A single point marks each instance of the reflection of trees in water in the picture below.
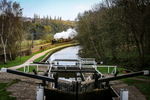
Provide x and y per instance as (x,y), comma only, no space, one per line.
(66,53)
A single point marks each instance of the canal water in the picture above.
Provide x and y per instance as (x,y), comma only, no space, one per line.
(68,78)
(66,53)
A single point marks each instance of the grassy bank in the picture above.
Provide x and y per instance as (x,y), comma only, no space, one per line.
(26,43)
(142,86)
(105,69)
(23,59)
(16,61)
(40,58)
(48,54)
(128,60)
(30,69)
(4,95)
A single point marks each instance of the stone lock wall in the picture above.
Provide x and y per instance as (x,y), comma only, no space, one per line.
(65,86)
(86,86)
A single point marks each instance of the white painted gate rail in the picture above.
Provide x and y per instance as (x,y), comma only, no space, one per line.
(113,71)
(27,67)
(88,61)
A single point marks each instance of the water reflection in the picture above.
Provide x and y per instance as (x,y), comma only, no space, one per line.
(66,53)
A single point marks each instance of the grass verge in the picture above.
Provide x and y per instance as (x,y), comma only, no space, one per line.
(30,69)
(105,69)
(23,59)
(40,58)
(4,95)
(143,87)
(143,77)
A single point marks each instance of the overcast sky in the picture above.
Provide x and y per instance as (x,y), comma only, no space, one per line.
(67,9)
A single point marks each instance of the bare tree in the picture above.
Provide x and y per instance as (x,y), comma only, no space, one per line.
(10,16)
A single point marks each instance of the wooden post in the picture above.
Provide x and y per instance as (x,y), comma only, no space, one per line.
(107,84)
(77,90)
(56,79)
(96,79)
(74,86)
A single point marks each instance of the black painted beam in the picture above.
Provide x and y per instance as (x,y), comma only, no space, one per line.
(111,78)
(66,60)
(66,66)
(40,77)
(41,63)
(83,71)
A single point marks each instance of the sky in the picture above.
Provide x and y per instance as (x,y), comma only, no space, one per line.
(67,9)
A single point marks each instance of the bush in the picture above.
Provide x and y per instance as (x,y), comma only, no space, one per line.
(15,50)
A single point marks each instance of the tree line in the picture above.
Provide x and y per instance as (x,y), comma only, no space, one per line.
(13,30)
(114,28)
(46,25)
(10,27)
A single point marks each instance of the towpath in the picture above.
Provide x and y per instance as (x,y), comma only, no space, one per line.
(37,56)
(25,89)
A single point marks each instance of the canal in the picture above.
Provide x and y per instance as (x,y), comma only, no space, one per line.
(66,53)
(74,85)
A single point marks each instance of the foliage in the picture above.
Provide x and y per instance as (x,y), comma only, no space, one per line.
(47,29)
(116,31)
(45,25)
(48,37)
(11,26)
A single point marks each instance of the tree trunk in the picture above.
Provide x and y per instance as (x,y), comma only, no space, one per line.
(95,48)
(4,47)
(5,57)
(140,49)
(20,51)
(4,44)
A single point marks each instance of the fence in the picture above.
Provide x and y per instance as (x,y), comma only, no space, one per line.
(113,71)
(27,67)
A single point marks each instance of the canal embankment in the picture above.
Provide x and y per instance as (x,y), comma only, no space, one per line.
(46,56)
(17,64)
